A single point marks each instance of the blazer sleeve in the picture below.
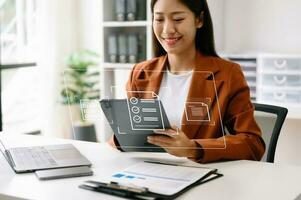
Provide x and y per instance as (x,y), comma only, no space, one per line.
(244,140)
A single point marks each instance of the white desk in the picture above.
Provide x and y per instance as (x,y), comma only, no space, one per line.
(242,179)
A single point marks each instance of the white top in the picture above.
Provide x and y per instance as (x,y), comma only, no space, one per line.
(173,92)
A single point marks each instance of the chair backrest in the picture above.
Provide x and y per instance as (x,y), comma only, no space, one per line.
(270,119)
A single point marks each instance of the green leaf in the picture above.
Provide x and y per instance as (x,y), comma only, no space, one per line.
(80,82)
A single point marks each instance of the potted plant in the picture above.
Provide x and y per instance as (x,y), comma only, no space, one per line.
(81,85)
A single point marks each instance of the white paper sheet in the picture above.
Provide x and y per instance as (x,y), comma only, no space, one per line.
(159,178)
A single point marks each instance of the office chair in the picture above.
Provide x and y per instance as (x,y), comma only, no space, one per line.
(270,119)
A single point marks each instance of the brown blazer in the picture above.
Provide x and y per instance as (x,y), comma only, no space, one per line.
(221,84)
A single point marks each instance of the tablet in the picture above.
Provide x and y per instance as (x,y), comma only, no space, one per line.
(133,119)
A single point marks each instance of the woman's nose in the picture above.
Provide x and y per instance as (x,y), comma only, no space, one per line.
(169,27)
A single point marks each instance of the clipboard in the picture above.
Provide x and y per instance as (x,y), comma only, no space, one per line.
(135,192)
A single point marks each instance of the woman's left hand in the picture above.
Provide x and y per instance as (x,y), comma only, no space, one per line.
(175,142)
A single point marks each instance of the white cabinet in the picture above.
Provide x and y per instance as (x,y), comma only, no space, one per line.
(280,79)
(273,79)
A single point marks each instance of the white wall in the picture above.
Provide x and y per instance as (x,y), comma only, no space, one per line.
(217,10)
(89,24)
(262,26)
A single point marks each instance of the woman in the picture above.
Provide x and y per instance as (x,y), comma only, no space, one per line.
(186,63)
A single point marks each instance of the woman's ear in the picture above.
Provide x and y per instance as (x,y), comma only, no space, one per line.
(200,20)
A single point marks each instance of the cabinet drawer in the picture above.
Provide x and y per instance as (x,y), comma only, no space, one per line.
(281,96)
(281,80)
(281,63)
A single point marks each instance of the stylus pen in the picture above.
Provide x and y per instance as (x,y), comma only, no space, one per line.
(172,164)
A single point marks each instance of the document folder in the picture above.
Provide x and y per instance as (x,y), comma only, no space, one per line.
(133,183)
(132,192)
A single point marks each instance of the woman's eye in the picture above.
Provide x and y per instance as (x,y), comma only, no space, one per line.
(179,20)
(159,20)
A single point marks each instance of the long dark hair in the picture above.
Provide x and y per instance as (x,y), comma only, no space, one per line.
(204,39)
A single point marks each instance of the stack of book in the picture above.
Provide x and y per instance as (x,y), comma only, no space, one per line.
(130,10)
(126,47)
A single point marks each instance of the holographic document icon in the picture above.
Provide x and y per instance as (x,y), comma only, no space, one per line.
(145,114)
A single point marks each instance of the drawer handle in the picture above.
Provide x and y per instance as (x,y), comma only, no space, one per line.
(279,81)
(280,96)
(280,64)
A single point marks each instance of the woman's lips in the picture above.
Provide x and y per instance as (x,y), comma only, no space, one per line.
(171,41)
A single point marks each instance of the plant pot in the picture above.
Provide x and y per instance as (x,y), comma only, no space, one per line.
(84,131)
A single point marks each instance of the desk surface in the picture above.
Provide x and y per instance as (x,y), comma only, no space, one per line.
(242,179)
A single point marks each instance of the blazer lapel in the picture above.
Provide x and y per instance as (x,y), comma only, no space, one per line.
(149,80)
(201,97)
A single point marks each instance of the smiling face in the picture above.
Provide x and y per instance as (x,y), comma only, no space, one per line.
(175,26)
